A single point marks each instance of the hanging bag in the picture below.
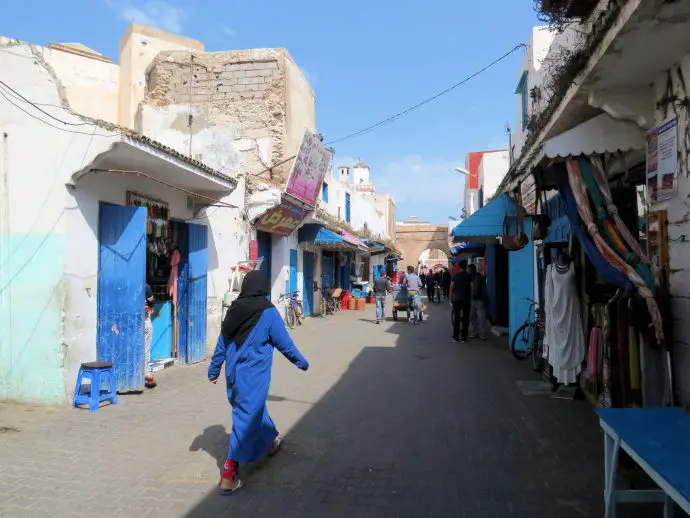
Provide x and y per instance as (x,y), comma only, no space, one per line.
(519,240)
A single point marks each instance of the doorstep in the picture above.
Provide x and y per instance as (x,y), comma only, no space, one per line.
(163,363)
(499,331)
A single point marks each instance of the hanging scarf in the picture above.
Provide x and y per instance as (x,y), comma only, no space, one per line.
(247,309)
(581,196)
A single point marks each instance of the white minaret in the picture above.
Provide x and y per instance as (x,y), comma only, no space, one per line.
(361,173)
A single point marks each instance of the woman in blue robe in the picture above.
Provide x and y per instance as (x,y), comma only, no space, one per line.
(251,329)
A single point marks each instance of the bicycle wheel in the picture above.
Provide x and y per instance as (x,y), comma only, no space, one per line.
(323,307)
(522,336)
(538,351)
(290,317)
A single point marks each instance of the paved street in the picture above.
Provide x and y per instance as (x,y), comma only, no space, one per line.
(391,420)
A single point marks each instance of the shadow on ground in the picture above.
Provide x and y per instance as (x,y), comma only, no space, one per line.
(426,428)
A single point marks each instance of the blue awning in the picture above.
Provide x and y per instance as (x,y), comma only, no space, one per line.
(485,225)
(466,248)
(317,234)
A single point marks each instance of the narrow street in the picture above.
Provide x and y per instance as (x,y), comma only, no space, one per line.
(390,420)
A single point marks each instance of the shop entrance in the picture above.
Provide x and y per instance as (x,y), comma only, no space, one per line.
(139,245)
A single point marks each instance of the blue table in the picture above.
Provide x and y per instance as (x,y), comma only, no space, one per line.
(658,440)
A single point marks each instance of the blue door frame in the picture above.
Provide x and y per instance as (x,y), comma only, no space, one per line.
(520,283)
(293,271)
(120,296)
(308,288)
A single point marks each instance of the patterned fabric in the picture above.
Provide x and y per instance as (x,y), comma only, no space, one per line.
(582,199)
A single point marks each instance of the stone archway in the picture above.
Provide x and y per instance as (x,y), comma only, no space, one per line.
(412,237)
(432,257)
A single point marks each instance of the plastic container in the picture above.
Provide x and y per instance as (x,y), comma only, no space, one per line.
(352,304)
(361,304)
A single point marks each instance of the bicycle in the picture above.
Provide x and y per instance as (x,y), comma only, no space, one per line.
(294,312)
(531,334)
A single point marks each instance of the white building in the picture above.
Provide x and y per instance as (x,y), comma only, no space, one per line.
(76,246)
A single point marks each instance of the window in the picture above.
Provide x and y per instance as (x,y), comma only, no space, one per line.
(347,207)
(324,192)
(522,91)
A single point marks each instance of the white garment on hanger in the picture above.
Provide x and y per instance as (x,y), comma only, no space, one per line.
(564,337)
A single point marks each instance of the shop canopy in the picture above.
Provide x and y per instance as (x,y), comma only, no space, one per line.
(602,134)
(467,248)
(485,225)
(374,246)
(318,235)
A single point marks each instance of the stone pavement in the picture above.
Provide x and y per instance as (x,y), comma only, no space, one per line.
(390,421)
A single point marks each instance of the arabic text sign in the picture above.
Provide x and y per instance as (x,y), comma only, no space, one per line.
(308,170)
(282,220)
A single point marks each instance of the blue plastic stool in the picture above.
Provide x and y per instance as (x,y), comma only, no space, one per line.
(96,372)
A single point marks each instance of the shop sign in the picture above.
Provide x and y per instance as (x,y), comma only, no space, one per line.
(282,220)
(662,160)
(528,194)
(311,164)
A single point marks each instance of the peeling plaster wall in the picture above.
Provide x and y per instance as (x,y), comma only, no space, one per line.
(678,213)
(237,96)
(36,294)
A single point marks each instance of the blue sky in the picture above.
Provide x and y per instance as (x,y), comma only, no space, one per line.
(366,60)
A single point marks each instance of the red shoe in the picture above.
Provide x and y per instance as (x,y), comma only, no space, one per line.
(150,381)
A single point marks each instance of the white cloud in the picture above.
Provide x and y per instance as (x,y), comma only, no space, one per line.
(229,31)
(157,13)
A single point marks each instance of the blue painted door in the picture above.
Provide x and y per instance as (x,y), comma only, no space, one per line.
(308,289)
(293,271)
(182,309)
(198,273)
(520,283)
(345,271)
(327,270)
(121,284)
(263,241)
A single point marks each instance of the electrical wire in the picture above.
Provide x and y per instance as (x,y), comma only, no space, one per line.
(429,99)
(393,118)
(3,94)
(20,96)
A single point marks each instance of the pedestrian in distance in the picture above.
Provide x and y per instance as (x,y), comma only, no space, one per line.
(413,285)
(149,379)
(382,287)
(479,324)
(461,300)
(430,285)
(252,327)
(445,282)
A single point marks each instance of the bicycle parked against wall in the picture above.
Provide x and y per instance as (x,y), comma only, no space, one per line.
(528,340)
(294,312)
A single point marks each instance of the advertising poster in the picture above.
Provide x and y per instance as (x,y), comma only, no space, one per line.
(311,164)
(662,160)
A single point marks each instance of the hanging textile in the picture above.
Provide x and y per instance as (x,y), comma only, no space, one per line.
(582,200)
(595,179)
(608,272)
(633,244)
(157,213)
(564,336)
(605,396)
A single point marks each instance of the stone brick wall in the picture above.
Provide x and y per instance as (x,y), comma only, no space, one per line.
(243,92)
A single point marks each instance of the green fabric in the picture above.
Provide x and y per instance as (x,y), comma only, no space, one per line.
(642,269)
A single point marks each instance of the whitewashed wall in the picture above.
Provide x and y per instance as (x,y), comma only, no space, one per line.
(679,231)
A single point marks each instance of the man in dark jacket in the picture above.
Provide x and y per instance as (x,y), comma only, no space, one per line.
(461,299)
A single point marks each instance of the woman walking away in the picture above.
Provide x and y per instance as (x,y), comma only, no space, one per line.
(250,330)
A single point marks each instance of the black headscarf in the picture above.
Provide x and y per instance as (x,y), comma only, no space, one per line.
(246,310)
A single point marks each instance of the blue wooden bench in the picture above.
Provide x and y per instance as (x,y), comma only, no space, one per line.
(658,440)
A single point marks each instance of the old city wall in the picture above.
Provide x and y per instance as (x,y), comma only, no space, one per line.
(412,240)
